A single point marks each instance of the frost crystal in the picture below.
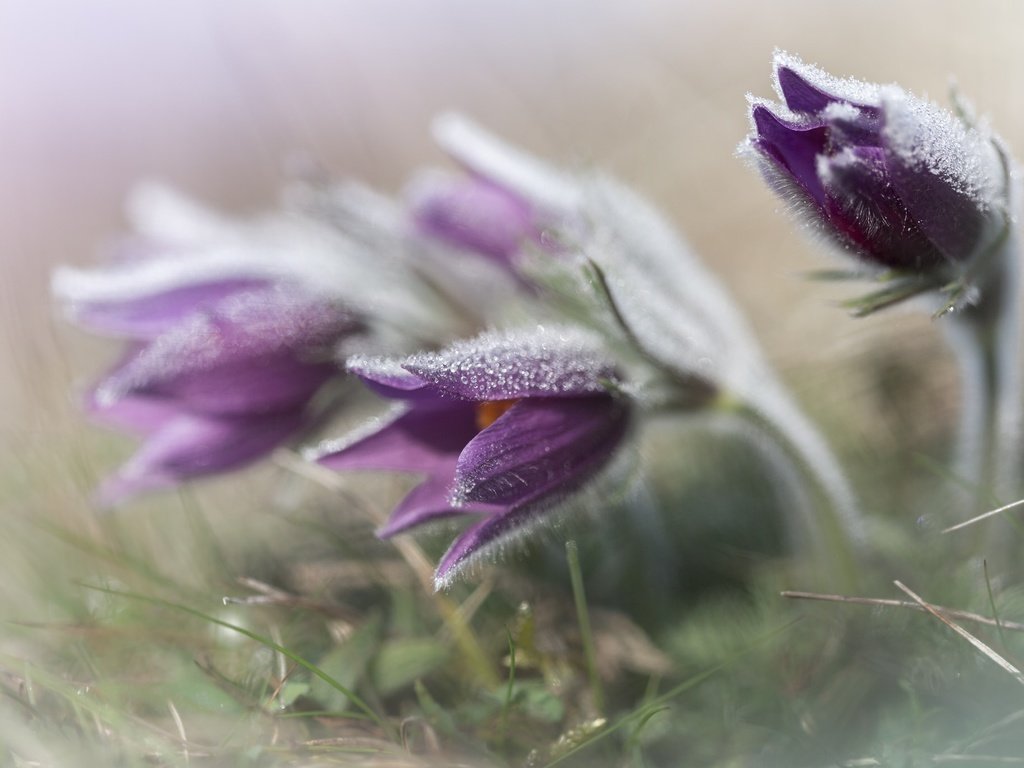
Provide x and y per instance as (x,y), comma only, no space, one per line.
(546,361)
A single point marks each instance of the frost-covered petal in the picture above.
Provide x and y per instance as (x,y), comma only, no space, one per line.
(257,351)
(539,448)
(810,89)
(147,316)
(549,191)
(949,176)
(674,308)
(192,445)
(419,440)
(792,145)
(540,362)
(472,214)
(427,502)
(387,377)
(865,210)
(483,537)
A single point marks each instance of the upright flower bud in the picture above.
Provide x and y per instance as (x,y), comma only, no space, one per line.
(899,183)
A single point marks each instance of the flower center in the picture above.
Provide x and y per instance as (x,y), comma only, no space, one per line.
(488,412)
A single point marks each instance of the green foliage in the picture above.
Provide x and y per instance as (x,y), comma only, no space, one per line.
(331,651)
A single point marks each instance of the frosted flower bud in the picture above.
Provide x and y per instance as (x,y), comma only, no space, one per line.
(896,181)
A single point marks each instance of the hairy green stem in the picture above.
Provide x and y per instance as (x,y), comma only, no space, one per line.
(986,339)
(827,525)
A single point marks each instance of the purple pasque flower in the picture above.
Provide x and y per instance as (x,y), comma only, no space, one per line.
(226,384)
(472,214)
(502,426)
(503,202)
(897,181)
(225,352)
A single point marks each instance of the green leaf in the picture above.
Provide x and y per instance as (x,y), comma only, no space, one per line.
(534,700)
(402,662)
(347,664)
(290,691)
(893,293)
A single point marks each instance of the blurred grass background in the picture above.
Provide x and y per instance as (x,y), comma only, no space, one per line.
(214,96)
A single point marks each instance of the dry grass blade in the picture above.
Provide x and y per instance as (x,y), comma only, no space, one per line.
(418,563)
(180,725)
(976,618)
(978,759)
(981,646)
(984,516)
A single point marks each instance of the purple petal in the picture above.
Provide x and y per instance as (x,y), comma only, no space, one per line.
(864,208)
(802,95)
(472,214)
(388,378)
(145,317)
(138,415)
(544,362)
(552,194)
(428,501)
(946,202)
(191,445)
(793,146)
(853,126)
(254,352)
(481,537)
(420,440)
(539,448)
(808,89)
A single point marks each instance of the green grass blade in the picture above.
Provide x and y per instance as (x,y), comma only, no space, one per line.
(643,713)
(265,641)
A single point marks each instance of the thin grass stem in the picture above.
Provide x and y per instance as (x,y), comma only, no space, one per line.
(455,619)
(583,616)
(976,618)
(264,641)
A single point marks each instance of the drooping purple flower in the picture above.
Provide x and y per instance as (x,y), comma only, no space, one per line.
(897,181)
(501,426)
(226,384)
(472,214)
(225,351)
(503,202)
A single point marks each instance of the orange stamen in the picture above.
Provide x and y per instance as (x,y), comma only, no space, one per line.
(488,411)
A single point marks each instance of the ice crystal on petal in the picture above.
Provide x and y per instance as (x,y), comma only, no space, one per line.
(930,139)
(848,89)
(548,361)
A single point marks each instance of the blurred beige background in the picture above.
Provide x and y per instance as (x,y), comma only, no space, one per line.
(212,95)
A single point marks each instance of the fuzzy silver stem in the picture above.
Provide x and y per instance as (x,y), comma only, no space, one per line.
(830,527)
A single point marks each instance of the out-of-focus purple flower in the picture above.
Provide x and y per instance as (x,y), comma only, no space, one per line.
(226,383)
(503,202)
(225,351)
(472,214)
(897,181)
(502,426)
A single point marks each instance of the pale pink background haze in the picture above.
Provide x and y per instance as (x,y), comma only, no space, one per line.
(213,96)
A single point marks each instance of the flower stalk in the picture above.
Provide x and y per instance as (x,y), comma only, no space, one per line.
(828,526)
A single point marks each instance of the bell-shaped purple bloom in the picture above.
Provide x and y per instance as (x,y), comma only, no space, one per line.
(220,369)
(501,204)
(471,214)
(502,426)
(897,181)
